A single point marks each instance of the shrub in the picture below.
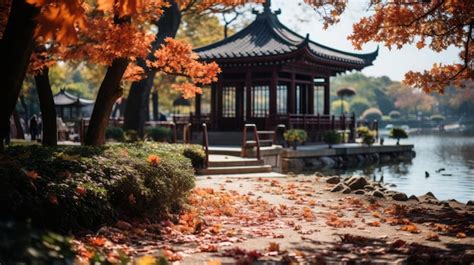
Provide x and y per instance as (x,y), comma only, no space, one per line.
(160,134)
(196,155)
(398,133)
(74,187)
(367,135)
(437,118)
(336,106)
(368,138)
(115,133)
(394,115)
(131,136)
(359,105)
(331,138)
(372,114)
(295,135)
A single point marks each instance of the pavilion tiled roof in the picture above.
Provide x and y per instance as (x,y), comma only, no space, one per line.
(63,98)
(267,36)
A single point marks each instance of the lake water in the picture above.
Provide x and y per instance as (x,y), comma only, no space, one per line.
(453,153)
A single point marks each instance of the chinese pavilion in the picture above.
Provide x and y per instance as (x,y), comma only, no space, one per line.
(271,75)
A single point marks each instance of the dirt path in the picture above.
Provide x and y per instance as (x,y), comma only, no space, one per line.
(298,219)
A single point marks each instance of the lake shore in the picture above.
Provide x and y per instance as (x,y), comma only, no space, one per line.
(298,218)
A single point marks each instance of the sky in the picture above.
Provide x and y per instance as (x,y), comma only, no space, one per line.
(392,63)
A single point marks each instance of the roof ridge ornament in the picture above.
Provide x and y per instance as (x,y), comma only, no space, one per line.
(267,6)
(267,9)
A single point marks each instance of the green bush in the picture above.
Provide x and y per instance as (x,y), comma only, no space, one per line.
(368,138)
(295,135)
(131,136)
(159,134)
(394,115)
(196,155)
(359,105)
(115,133)
(331,138)
(75,187)
(372,114)
(20,244)
(398,133)
(367,135)
(437,118)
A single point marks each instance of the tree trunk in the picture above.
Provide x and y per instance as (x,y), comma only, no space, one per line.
(139,97)
(20,134)
(109,91)
(154,101)
(48,110)
(15,51)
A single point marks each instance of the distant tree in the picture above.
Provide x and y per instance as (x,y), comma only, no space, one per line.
(394,115)
(398,133)
(436,24)
(336,106)
(359,105)
(372,114)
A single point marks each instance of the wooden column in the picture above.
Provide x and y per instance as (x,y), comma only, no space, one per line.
(273,93)
(311,96)
(248,85)
(327,96)
(214,103)
(292,95)
(197,106)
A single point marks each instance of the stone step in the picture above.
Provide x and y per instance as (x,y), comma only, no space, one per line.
(236,163)
(235,170)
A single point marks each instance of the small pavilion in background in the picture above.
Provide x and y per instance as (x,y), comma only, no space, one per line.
(271,75)
(70,107)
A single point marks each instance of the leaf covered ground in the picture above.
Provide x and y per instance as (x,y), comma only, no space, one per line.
(292,219)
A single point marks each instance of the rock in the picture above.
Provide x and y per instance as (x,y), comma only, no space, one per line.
(338,187)
(318,174)
(346,190)
(470,203)
(327,161)
(413,198)
(378,194)
(368,187)
(384,158)
(400,196)
(357,183)
(430,194)
(360,192)
(123,225)
(333,180)
(315,163)
(393,185)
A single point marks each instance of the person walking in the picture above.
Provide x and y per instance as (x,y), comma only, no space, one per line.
(33,128)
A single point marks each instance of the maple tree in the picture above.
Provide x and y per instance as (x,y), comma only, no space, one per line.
(136,112)
(436,24)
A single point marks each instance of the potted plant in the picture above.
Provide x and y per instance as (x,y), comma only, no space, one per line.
(331,138)
(398,133)
(367,135)
(295,136)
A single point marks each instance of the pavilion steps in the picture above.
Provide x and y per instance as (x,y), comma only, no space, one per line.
(225,165)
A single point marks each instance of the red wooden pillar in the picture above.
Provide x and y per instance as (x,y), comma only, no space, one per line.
(197,106)
(327,96)
(273,98)
(248,85)
(311,96)
(292,95)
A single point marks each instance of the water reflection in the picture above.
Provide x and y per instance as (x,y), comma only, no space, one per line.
(454,154)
